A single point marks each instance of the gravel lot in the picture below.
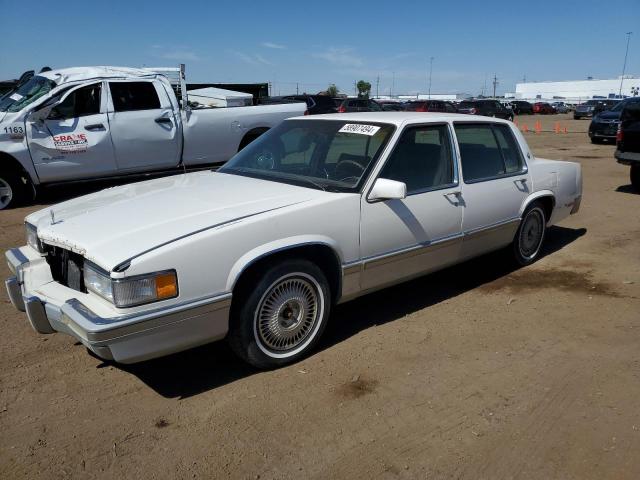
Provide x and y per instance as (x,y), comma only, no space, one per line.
(477,372)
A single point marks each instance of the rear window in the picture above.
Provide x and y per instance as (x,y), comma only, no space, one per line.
(130,96)
(467,105)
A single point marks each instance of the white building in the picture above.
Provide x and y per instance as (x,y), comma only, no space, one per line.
(575,90)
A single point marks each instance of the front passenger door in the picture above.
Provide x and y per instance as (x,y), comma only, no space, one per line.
(74,141)
(404,238)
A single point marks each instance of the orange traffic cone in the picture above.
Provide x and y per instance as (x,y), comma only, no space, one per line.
(565,130)
(525,129)
(556,127)
(538,127)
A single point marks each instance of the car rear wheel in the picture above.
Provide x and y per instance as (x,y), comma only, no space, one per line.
(635,177)
(530,235)
(280,315)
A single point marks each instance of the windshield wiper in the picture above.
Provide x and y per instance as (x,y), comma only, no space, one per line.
(280,176)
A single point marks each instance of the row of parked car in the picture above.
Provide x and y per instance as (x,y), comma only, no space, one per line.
(318,104)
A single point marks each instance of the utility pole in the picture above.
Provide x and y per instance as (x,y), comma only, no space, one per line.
(297,88)
(377,86)
(495,84)
(355,88)
(430,71)
(393,82)
(624,66)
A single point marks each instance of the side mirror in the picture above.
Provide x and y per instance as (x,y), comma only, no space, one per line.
(385,189)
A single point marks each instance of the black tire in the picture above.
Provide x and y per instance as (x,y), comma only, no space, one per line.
(634,175)
(294,300)
(14,189)
(596,140)
(530,235)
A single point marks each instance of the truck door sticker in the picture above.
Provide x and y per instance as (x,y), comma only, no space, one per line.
(71,143)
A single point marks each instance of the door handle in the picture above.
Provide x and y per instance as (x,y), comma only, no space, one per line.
(93,127)
(165,120)
(454,198)
(522,181)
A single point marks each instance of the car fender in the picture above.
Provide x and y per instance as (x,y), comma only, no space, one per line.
(276,246)
(534,196)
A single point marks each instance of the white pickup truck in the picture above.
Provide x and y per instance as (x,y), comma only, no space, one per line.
(97,122)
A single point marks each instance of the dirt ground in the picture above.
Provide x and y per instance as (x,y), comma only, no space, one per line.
(477,372)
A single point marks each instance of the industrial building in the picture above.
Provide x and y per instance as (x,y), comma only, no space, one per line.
(577,90)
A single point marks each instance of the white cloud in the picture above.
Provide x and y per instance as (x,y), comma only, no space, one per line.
(251,59)
(273,45)
(175,53)
(341,56)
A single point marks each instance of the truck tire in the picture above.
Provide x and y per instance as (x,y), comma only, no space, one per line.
(14,189)
(279,315)
(634,175)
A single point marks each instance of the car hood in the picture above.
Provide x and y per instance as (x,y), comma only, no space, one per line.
(116,224)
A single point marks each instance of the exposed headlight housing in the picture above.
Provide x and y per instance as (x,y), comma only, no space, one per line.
(132,291)
(31,233)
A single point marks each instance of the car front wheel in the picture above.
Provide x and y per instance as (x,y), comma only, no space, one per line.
(530,235)
(279,316)
(13,189)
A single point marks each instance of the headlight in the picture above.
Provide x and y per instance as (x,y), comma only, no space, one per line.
(32,237)
(133,291)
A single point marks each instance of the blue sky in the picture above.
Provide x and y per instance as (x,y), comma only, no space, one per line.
(317,43)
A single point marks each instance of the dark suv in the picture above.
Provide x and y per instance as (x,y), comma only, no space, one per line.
(488,108)
(430,106)
(359,105)
(604,125)
(593,107)
(628,139)
(520,107)
(316,104)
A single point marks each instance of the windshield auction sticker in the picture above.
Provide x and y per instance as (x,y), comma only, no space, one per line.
(360,129)
(72,143)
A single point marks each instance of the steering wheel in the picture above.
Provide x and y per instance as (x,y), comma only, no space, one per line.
(353,170)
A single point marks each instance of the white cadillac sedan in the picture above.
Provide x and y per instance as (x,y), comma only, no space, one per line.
(317,211)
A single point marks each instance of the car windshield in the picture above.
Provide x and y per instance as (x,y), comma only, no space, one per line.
(330,155)
(618,107)
(26,94)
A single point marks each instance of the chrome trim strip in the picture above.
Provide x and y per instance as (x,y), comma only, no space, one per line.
(351,268)
(490,228)
(15,293)
(74,313)
(408,252)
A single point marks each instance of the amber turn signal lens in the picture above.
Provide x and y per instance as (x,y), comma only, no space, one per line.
(166,285)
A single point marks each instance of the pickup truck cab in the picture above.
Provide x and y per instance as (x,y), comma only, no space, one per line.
(628,139)
(96,122)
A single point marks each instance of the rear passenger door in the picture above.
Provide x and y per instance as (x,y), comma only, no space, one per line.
(422,232)
(144,129)
(495,184)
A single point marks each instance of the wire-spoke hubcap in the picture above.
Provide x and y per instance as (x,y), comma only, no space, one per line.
(531,233)
(288,313)
(6,193)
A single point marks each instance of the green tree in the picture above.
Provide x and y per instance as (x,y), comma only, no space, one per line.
(364,89)
(332,90)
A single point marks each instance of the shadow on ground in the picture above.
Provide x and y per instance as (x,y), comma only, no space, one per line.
(198,370)
(628,189)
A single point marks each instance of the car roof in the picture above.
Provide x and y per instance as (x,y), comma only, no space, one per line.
(401,118)
(75,74)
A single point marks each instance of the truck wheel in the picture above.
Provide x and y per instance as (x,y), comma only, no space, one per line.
(530,235)
(634,174)
(280,316)
(13,189)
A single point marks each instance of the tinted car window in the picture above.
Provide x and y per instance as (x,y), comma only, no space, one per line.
(82,102)
(479,152)
(128,96)
(422,159)
(510,151)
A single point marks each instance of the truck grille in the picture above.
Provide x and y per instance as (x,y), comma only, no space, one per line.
(67,267)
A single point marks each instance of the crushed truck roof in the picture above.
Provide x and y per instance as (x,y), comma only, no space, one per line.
(78,74)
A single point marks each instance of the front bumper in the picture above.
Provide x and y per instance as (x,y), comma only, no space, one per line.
(125,338)
(577,114)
